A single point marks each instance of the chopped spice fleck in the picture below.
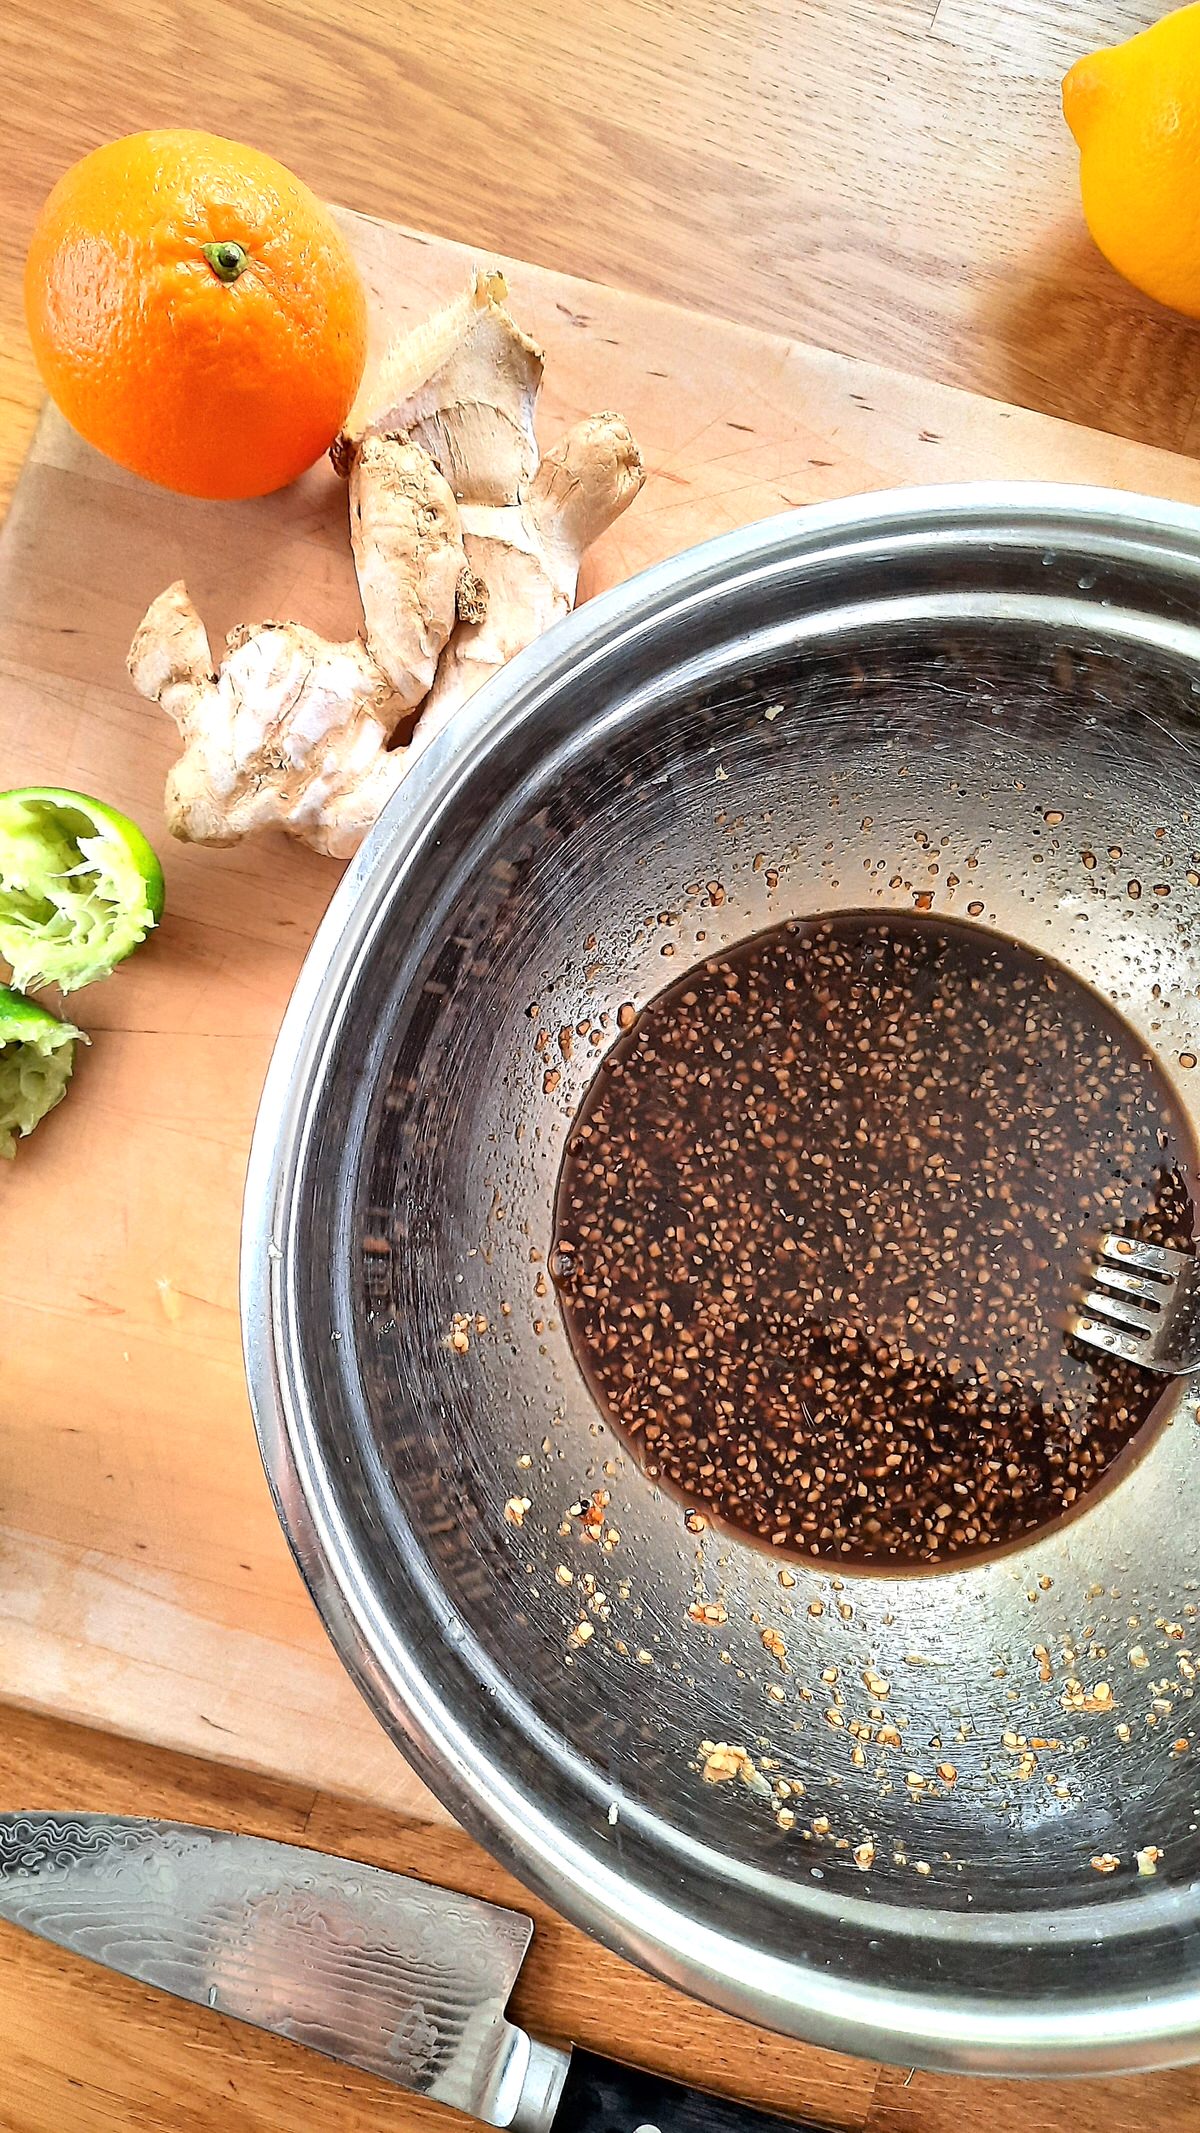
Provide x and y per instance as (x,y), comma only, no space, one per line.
(1076,1698)
(723,1760)
(459,1336)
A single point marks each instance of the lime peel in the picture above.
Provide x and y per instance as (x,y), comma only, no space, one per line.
(37,1054)
(80,887)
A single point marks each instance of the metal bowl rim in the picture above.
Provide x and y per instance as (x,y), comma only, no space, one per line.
(868,2020)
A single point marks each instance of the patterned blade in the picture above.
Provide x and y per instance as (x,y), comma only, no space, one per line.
(406,1980)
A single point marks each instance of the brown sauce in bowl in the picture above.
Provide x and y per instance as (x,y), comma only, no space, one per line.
(819,1219)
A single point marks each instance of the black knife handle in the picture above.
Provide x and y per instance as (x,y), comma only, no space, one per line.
(601,2096)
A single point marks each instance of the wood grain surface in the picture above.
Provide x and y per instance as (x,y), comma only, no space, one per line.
(144,1583)
(886,177)
(892,178)
(83,2051)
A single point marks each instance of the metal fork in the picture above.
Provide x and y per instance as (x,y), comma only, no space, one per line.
(1141,1302)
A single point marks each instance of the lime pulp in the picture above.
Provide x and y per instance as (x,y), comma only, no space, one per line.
(80,887)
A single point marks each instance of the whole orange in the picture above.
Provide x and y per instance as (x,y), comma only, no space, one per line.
(195,312)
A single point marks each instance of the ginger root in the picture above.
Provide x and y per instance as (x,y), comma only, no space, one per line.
(466,547)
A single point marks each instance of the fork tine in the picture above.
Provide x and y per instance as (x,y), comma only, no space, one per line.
(1120,1277)
(1105,1304)
(1107,1337)
(1131,1252)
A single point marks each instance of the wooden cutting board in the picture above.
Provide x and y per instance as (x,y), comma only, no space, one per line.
(144,1584)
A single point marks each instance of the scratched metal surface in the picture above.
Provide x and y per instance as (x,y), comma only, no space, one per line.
(748,736)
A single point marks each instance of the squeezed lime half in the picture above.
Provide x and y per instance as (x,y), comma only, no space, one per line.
(80,887)
(37,1053)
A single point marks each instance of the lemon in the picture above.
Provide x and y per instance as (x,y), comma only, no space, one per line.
(1134,110)
(79,887)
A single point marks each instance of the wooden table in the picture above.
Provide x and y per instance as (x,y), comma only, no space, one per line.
(889,177)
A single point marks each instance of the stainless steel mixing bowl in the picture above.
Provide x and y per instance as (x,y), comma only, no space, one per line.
(949,692)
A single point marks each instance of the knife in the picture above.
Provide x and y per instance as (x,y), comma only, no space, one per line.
(380,1971)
